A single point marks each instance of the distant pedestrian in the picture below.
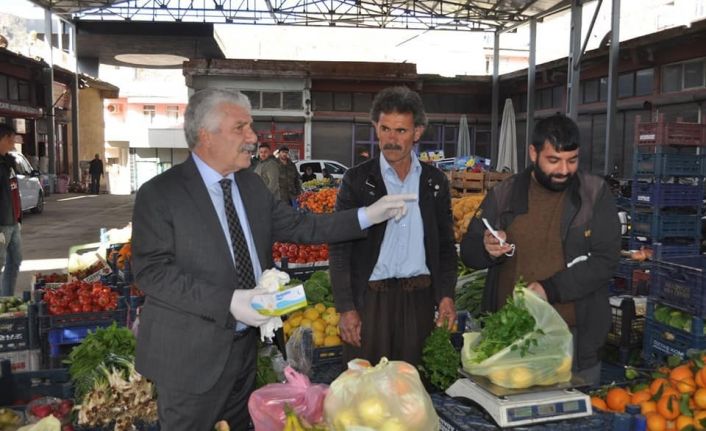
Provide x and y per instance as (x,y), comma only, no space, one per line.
(10,214)
(290,185)
(96,171)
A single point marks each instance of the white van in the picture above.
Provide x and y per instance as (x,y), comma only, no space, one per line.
(317,166)
(31,192)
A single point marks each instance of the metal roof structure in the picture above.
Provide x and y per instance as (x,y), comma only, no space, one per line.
(469,15)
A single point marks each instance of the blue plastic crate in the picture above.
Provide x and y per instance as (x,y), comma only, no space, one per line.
(667,195)
(64,336)
(680,282)
(659,225)
(662,341)
(667,164)
(694,325)
(21,387)
(667,247)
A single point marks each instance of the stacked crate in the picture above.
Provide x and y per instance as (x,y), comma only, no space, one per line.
(667,196)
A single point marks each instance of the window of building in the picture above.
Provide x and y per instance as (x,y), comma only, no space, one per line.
(292,100)
(342,102)
(643,82)
(271,100)
(603,89)
(362,102)
(14,93)
(590,91)
(625,85)
(254,97)
(322,101)
(671,78)
(694,74)
(149,112)
(66,39)
(173,112)
(3,87)
(557,96)
(23,91)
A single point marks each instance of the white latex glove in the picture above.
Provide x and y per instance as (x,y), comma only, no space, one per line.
(389,206)
(241,309)
(267,330)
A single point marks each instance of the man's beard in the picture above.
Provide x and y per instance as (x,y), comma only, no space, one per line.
(546,180)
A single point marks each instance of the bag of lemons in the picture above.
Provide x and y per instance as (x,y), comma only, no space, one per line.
(542,355)
(387,397)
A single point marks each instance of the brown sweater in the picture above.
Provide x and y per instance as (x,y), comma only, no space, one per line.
(539,252)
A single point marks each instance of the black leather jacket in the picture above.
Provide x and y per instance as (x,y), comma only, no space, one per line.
(7,168)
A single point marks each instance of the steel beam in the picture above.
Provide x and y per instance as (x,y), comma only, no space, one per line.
(573,77)
(614,59)
(494,100)
(530,87)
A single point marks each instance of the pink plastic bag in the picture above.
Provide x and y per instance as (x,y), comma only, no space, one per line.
(266,405)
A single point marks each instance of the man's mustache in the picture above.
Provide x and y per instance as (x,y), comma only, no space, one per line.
(392,147)
(248,148)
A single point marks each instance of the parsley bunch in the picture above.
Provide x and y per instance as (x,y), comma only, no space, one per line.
(506,327)
(440,360)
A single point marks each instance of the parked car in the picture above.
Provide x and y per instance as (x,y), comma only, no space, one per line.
(317,166)
(31,192)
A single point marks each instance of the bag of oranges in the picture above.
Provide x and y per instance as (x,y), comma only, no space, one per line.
(389,396)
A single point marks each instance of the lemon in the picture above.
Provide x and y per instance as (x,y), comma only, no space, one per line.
(296,314)
(311,314)
(344,419)
(332,340)
(393,424)
(331,310)
(318,325)
(320,307)
(565,366)
(372,411)
(305,323)
(499,376)
(286,327)
(333,319)
(521,377)
(318,338)
(295,321)
(331,330)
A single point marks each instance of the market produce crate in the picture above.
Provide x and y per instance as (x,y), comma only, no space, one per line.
(663,132)
(627,320)
(301,271)
(662,341)
(667,195)
(468,181)
(660,224)
(23,360)
(21,387)
(680,282)
(667,247)
(623,277)
(493,178)
(48,322)
(677,319)
(641,282)
(667,164)
(19,332)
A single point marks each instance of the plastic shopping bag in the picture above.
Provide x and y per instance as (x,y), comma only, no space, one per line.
(266,405)
(389,396)
(546,363)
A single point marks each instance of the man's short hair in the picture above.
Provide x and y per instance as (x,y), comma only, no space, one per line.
(6,130)
(559,130)
(401,100)
(264,145)
(201,111)
(284,148)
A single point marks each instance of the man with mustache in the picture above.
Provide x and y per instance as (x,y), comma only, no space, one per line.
(388,285)
(564,226)
(202,235)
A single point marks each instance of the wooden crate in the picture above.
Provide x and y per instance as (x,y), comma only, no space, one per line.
(468,181)
(492,178)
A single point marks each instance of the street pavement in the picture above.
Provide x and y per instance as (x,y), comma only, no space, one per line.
(67,220)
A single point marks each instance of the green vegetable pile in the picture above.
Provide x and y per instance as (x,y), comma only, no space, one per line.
(318,289)
(113,346)
(469,291)
(265,372)
(440,360)
(507,327)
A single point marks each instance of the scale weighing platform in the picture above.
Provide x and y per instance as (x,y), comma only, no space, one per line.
(515,407)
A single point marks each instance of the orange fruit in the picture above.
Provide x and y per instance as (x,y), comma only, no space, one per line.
(683,422)
(640,396)
(657,384)
(680,374)
(700,419)
(655,422)
(699,398)
(617,398)
(700,377)
(668,407)
(598,403)
(686,385)
(648,407)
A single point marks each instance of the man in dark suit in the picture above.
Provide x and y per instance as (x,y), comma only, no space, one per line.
(202,234)
(95,168)
(387,285)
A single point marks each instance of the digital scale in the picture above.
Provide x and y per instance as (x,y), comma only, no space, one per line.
(515,407)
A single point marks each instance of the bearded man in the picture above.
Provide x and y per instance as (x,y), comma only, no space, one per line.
(557,229)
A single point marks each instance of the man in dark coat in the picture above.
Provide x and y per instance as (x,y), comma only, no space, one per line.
(96,170)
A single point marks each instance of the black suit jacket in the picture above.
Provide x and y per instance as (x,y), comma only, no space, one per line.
(353,262)
(182,263)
